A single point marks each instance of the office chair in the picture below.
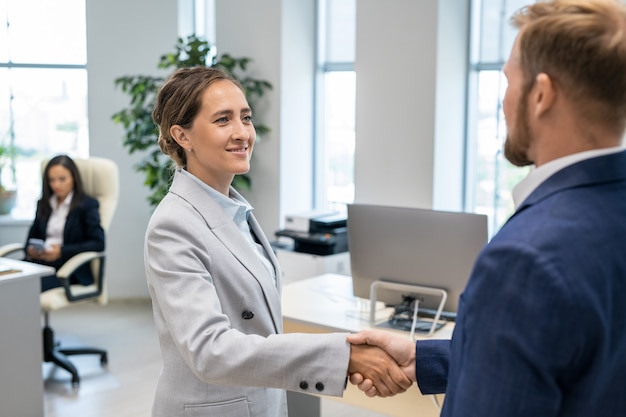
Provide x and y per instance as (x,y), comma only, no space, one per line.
(100,180)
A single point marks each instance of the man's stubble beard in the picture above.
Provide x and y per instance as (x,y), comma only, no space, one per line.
(518,138)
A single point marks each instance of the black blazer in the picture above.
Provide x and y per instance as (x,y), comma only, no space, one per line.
(82,233)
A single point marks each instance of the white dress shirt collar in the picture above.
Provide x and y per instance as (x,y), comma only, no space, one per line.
(238,210)
(538,175)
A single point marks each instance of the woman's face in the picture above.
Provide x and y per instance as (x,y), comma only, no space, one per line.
(61,181)
(219,143)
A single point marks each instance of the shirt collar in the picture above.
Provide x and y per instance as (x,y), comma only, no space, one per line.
(66,202)
(237,209)
(538,175)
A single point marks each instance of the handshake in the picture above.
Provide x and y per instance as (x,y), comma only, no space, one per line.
(381,363)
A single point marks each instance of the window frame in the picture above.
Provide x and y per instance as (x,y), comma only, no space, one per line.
(29,189)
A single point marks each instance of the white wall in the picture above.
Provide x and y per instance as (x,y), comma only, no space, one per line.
(279,37)
(297,100)
(411,70)
(123,38)
(450,103)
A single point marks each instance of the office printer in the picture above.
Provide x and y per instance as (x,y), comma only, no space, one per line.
(317,233)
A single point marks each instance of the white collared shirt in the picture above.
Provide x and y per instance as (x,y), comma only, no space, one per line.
(56,222)
(538,175)
(238,210)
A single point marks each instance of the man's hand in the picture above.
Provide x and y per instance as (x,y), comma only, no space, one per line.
(379,369)
(402,350)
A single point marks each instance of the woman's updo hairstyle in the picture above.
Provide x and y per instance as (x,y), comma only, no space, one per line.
(179,101)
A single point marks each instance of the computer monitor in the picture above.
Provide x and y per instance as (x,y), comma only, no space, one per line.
(422,247)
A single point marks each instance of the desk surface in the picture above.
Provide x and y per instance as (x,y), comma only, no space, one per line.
(21,270)
(327,301)
(325,304)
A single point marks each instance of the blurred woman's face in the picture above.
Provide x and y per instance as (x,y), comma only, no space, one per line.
(61,181)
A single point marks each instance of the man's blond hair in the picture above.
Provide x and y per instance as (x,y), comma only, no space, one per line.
(581,45)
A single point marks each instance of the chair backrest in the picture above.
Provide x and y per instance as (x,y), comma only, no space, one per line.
(100,178)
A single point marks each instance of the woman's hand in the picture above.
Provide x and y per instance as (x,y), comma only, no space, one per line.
(33,253)
(51,254)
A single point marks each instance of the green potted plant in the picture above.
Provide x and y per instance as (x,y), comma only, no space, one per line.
(140,131)
(8,193)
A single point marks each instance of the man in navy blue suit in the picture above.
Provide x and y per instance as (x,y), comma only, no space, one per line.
(541,326)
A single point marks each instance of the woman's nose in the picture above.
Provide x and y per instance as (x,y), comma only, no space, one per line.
(241,131)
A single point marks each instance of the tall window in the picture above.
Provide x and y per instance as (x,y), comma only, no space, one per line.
(43,89)
(335,141)
(490,178)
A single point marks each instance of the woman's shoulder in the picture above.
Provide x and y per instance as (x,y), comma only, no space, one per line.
(88,202)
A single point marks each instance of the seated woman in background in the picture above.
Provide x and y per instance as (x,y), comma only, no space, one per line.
(67,220)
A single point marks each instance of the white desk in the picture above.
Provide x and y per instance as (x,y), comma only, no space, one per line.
(21,392)
(325,304)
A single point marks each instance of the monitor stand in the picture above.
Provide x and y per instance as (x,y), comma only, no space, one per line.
(418,289)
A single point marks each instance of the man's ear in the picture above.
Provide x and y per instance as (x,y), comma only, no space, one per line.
(543,94)
(178,134)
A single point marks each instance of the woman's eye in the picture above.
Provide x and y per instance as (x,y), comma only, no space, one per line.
(247,119)
(222,120)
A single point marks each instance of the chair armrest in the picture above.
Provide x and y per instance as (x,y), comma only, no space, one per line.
(11,248)
(71,265)
(76,261)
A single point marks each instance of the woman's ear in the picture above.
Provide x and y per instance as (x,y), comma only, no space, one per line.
(178,134)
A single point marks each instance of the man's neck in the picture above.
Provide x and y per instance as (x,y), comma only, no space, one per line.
(570,141)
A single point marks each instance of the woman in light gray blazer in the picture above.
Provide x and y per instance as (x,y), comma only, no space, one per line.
(214,280)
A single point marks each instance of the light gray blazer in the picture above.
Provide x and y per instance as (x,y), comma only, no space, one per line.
(218,317)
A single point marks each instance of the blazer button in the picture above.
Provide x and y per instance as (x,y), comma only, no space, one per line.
(319,386)
(304,385)
(247,315)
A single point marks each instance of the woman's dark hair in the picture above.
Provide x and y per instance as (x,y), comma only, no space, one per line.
(43,206)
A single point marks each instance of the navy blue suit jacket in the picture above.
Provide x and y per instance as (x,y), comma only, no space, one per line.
(82,233)
(541,327)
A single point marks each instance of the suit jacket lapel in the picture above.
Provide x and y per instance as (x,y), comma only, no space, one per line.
(226,232)
(70,227)
(272,297)
(596,170)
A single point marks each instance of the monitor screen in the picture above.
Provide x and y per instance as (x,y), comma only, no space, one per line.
(413,246)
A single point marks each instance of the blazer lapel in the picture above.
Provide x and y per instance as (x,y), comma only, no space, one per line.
(272,297)
(70,228)
(601,169)
(227,232)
